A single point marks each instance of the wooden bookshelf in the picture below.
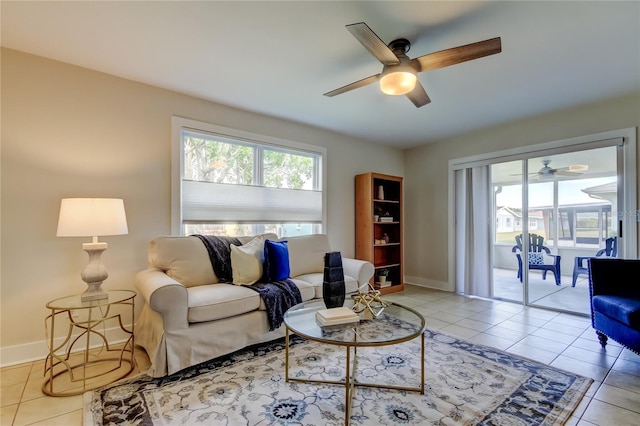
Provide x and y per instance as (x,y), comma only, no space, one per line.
(380,241)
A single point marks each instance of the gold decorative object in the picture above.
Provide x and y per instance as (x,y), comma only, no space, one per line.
(369,300)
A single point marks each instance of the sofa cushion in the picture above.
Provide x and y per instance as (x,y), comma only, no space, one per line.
(623,309)
(185,259)
(315,280)
(307,291)
(247,260)
(268,236)
(213,302)
(276,260)
(306,253)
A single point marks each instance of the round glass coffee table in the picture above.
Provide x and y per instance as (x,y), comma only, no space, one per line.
(397,324)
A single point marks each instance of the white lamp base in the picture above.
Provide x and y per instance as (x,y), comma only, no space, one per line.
(94,273)
(94,292)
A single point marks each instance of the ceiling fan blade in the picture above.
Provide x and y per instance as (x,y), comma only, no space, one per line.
(567,173)
(418,95)
(354,85)
(372,43)
(456,55)
(574,168)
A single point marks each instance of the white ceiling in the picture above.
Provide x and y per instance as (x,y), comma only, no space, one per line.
(278,58)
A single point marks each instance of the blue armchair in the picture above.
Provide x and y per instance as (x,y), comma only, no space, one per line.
(615,301)
(581,263)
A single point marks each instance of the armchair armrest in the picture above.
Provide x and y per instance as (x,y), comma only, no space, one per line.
(556,257)
(361,270)
(616,277)
(164,295)
(582,261)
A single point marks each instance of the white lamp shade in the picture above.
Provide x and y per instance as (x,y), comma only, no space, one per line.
(92,217)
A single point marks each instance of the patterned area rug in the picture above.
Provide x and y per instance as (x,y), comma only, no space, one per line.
(465,384)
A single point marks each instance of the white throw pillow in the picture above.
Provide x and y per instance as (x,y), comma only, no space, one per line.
(247,261)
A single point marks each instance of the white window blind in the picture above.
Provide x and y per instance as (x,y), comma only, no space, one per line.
(224,176)
(204,202)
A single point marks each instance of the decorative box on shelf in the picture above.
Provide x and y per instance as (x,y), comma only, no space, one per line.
(386,219)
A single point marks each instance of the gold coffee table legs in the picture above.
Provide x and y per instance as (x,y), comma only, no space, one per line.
(350,381)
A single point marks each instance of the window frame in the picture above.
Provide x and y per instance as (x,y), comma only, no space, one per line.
(178,124)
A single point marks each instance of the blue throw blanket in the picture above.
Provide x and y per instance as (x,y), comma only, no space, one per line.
(219,249)
(278,296)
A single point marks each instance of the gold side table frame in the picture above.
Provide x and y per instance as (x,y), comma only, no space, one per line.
(74,365)
(350,382)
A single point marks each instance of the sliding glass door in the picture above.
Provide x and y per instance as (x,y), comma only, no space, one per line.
(507,182)
(550,210)
(524,217)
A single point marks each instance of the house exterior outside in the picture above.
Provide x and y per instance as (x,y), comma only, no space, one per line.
(510,220)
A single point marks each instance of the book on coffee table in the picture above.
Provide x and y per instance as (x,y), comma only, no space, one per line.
(335,316)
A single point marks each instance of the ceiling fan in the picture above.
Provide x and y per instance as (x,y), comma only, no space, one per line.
(399,72)
(548,173)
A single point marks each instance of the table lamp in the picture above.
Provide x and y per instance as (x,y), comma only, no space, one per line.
(92,217)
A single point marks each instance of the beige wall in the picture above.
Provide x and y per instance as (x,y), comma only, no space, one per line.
(426,171)
(73,132)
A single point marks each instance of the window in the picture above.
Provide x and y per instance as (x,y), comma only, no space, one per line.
(229,182)
(583,201)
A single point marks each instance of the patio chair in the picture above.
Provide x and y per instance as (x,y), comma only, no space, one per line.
(581,265)
(615,300)
(539,257)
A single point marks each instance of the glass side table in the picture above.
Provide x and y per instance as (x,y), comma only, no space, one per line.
(81,357)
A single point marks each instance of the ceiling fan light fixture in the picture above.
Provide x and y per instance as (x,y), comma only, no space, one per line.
(546,176)
(398,79)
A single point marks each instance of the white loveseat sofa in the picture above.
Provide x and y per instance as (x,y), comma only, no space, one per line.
(189,317)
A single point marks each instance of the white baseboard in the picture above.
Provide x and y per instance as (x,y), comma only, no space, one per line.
(37,351)
(424,282)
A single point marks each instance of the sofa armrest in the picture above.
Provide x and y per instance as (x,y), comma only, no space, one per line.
(164,295)
(361,270)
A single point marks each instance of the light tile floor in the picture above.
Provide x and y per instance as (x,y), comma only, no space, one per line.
(557,339)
